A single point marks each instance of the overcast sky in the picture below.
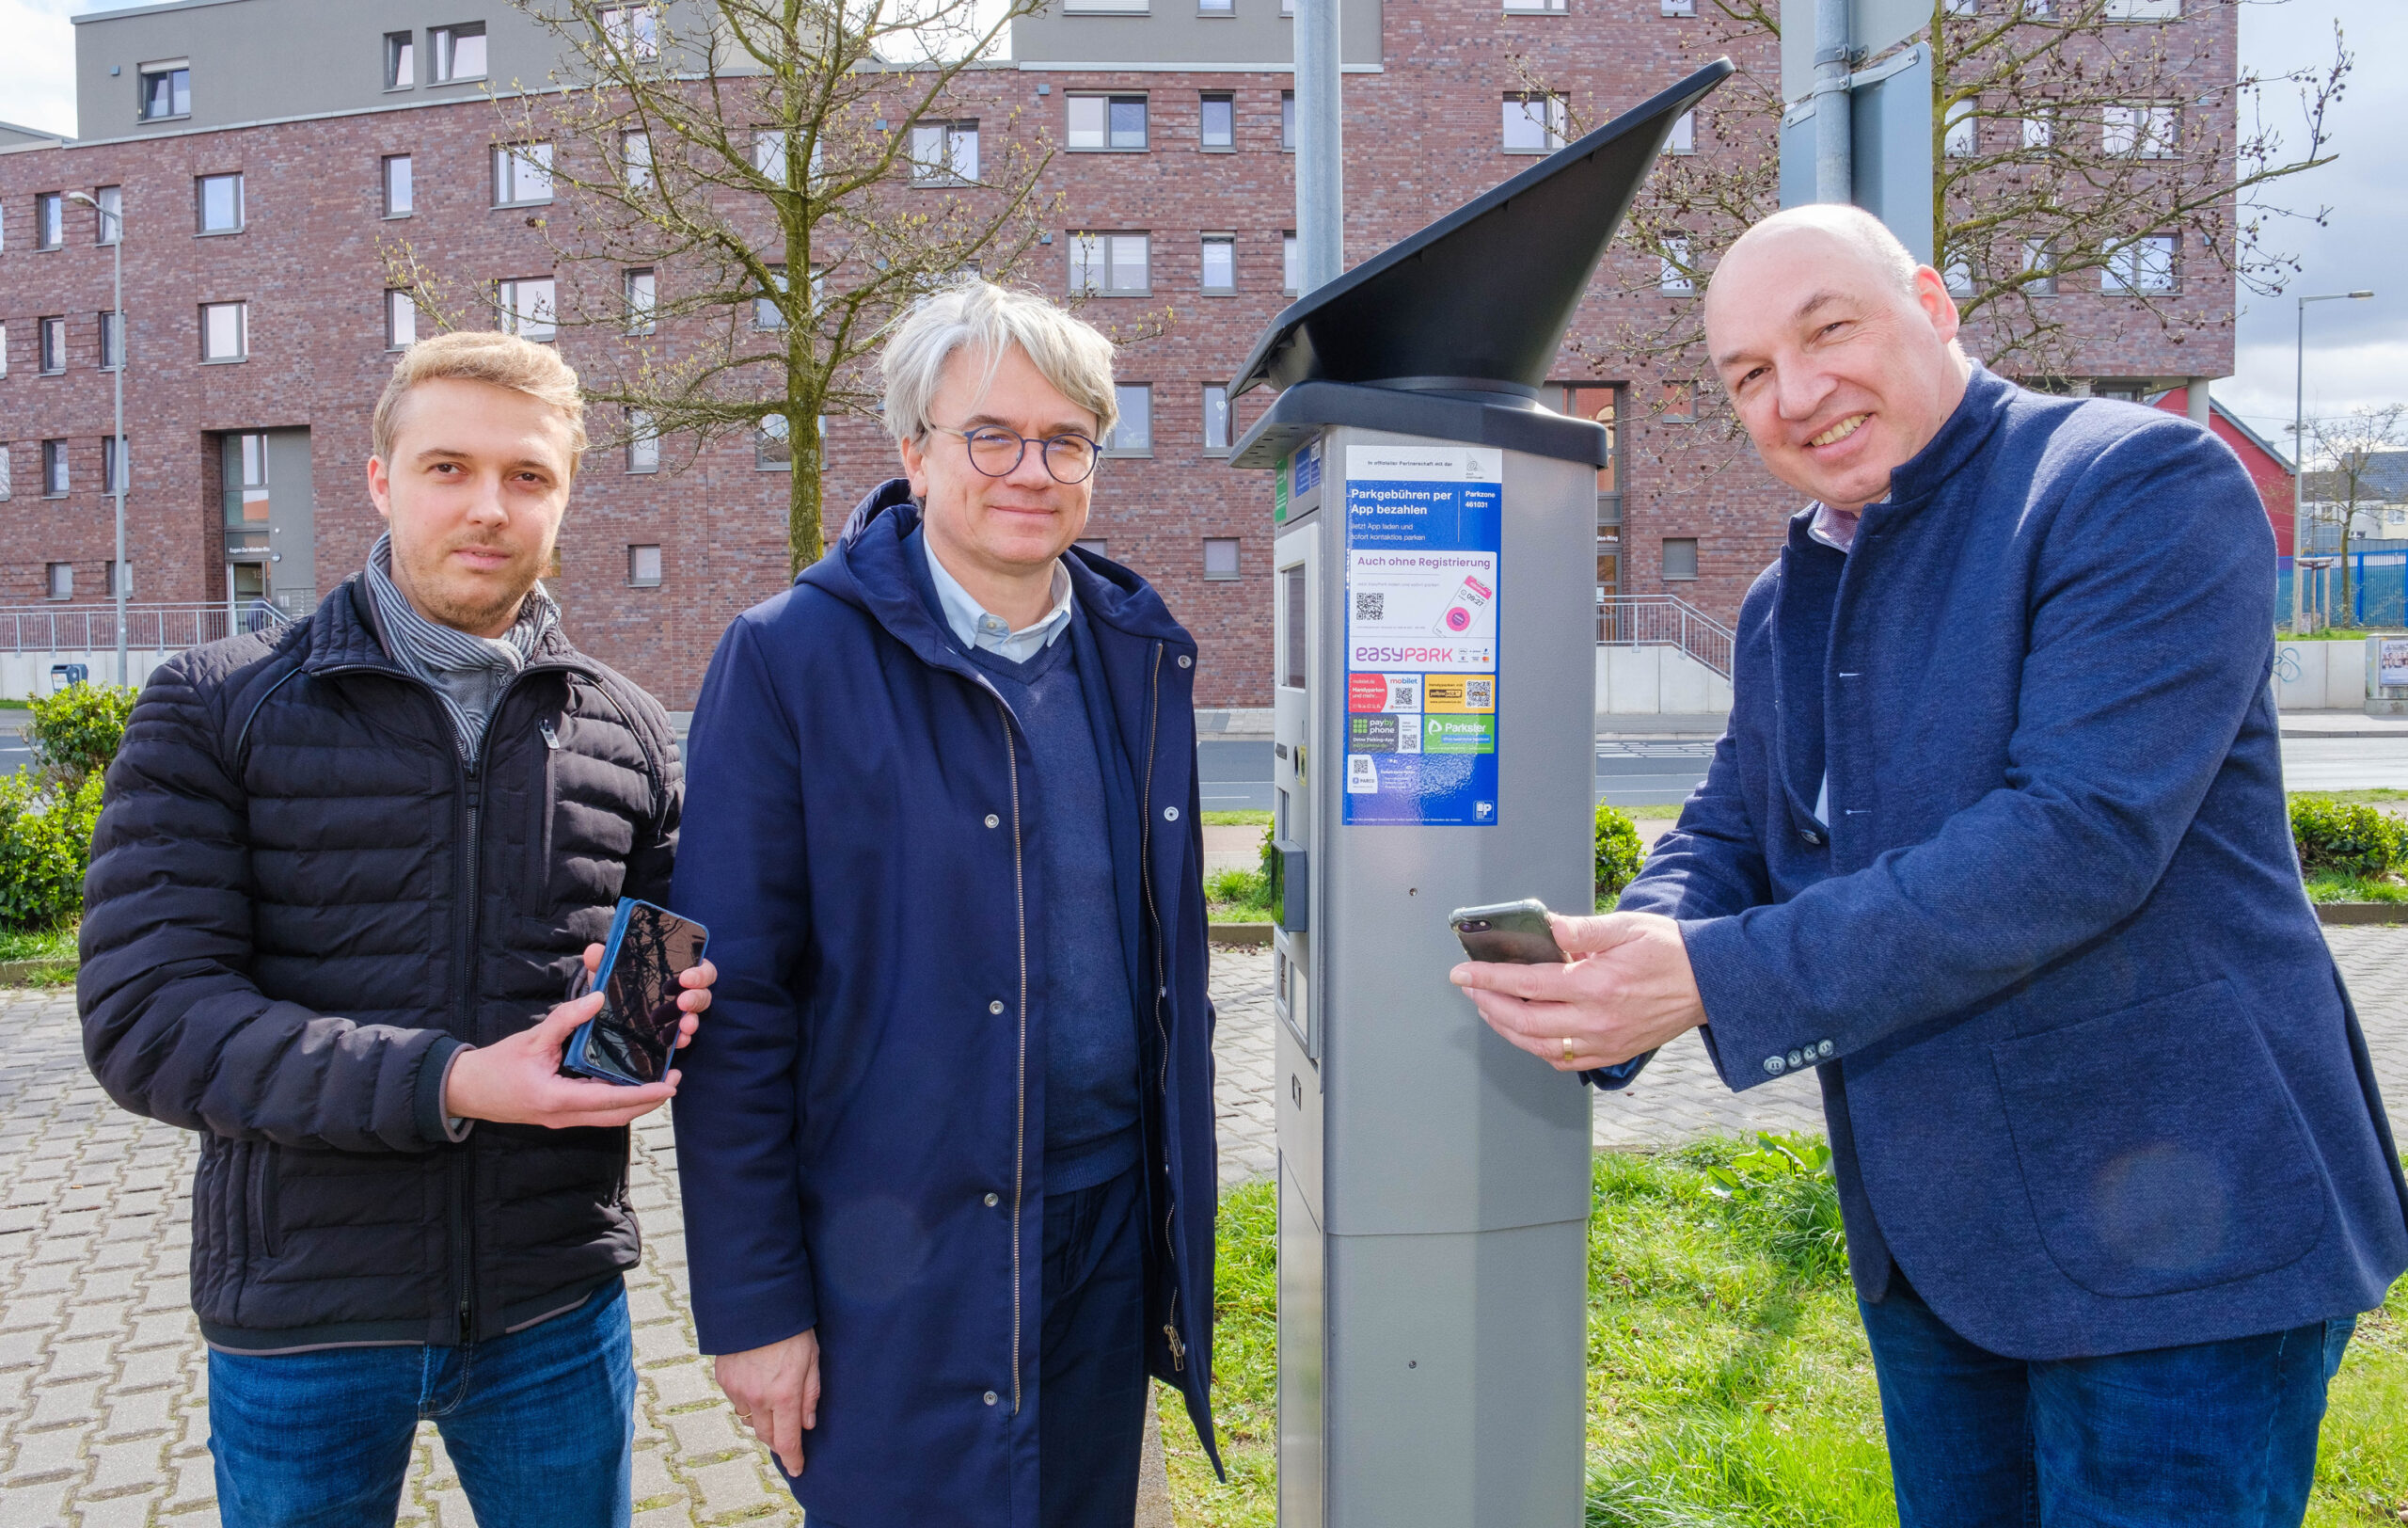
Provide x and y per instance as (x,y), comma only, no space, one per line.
(2357,352)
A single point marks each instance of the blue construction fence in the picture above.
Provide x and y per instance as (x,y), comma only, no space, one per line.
(2378,595)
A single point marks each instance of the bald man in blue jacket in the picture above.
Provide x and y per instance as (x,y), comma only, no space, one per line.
(1997,844)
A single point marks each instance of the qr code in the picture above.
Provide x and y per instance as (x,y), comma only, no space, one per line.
(1479,694)
(1372,607)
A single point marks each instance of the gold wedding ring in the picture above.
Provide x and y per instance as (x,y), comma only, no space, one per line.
(1567,1047)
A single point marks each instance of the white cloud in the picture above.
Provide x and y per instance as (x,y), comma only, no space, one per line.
(38,87)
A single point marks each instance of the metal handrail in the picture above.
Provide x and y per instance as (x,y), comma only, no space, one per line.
(65,628)
(1665,621)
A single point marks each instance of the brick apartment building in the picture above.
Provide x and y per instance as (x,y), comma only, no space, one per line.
(261,150)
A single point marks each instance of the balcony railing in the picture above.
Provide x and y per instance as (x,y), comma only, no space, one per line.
(1665,621)
(64,627)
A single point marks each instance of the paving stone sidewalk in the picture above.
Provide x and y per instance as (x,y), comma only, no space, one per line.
(104,1382)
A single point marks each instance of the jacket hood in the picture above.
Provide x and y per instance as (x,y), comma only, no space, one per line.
(865,570)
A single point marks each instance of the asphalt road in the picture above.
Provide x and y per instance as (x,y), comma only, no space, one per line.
(1236,773)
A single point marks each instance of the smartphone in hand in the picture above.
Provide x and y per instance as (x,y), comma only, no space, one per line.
(1515,932)
(631,1040)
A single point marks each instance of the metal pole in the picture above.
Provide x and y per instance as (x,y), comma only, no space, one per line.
(1321,149)
(1834,147)
(124,466)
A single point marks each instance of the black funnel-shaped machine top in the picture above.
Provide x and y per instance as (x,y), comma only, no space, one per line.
(1478,300)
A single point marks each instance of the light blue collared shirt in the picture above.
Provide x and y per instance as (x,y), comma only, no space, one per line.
(978,628)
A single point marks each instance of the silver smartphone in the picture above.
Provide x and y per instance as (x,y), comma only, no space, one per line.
(1516,932)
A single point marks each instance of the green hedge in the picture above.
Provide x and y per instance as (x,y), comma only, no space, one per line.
(47,813)
(2347,838)
(1619,853)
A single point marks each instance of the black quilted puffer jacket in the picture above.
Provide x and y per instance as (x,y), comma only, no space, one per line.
(300,903)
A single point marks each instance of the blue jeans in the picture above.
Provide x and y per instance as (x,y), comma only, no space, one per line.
(2216,1435)
(541,1425)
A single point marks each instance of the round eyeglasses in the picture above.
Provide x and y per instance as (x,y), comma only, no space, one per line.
(998,451)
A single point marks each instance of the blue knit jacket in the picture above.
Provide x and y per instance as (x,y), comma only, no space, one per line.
(2092,1078)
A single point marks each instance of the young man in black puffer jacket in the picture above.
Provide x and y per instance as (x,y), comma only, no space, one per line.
(343,874)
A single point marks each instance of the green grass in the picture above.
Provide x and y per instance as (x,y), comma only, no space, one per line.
(2342,889)
(2328,634)
(1729,1383)
(2375,796)
(1237,819)
(1236,897)
(56,945)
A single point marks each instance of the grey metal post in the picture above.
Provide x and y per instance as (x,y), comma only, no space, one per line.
(1834,150)
(1321,149)
(2299,448)
(118,579)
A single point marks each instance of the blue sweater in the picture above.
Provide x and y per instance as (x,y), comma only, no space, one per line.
(2091,1077)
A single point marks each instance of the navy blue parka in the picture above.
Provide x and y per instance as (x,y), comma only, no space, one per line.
(861,1128)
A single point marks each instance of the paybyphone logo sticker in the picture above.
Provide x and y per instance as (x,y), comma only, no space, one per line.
(1424,533)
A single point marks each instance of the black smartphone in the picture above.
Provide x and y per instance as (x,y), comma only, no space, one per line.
(1516,932)
(631,1040)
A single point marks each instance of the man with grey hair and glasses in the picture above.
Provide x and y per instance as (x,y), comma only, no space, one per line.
(948,1144)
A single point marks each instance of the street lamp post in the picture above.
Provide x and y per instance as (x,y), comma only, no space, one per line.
(118,579)
(2299,452)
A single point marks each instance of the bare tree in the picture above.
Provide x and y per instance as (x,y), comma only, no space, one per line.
(2072,140)
(2348,445)
(749,194)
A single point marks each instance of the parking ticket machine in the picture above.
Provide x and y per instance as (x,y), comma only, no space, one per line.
(1435,651)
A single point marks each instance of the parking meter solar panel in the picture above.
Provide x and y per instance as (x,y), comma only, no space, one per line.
(1481,296)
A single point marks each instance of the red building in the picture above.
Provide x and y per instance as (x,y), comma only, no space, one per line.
(2266,466)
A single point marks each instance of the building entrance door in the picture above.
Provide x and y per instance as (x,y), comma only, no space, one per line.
(271,520)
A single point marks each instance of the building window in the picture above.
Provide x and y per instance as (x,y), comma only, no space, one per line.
(167,91)
(1538,7)
(1133,434)
(2144,131)
(1107,122)
(109,216)
(1216,417)
(642,301)
(54,468)
(1533,123)
(771,450)
(1679,401)
(1217,7)
(644,568)
(1680,559)
(945,153)
(218,202)
(53,344)
(401,60)
(2144,10)
(644,442)
(769,311)
(1684,138)
(1220,271)
(225,331)
(634,30)
(1217,122)
(1288,121)
(59,580)
(769,154)
(1676,274)
(1961,138)
(6,486)
(401,320)
(112,328)
(634,160)
(1289,278)
(4,347)
(1960,277)
(522,174)
(1096,545)
(525,309)
(459,51)
(1115,264)
(110,572)
(2040,266)
(1680,7)
(1220,558)
(112,465)
(2140,266)
(50,220)
(2040,129)
(400,197)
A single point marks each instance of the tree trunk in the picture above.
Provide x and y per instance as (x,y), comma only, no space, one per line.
(804,535)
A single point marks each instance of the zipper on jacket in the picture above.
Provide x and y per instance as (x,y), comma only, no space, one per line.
(551,739)
(1020,1106)
(1161,1036)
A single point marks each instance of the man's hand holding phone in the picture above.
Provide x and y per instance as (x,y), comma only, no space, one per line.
(1625,989)
(518,1081)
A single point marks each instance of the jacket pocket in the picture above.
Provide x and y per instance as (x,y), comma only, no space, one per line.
(536,889)
(2161,1149)
(267,1234)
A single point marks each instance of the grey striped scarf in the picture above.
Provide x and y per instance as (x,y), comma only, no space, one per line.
(468,673)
